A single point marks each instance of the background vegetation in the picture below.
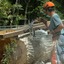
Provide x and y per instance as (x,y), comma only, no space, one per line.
(14,12)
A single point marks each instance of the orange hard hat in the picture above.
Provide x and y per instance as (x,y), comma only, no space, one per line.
(48,4)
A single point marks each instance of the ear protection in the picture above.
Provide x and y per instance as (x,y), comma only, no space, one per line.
(50,9)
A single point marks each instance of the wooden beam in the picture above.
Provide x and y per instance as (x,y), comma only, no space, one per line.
(13,33)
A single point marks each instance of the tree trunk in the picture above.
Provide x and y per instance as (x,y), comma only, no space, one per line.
(26,10)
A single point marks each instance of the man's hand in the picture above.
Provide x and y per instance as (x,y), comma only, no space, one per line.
(50,32)
(43,20)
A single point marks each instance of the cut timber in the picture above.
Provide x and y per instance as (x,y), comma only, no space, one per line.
(23,53)
(29,51)
(32,49)
(19,55)
(15,32)
(40,47)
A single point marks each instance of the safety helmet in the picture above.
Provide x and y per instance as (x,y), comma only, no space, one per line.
(48,5)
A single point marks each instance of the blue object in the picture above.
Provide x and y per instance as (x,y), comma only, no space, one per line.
(60,49)
(62,31)
(54,22)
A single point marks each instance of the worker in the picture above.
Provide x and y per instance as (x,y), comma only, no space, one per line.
(56,26)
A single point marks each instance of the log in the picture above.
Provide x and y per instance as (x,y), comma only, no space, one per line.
(31,49)
(19,55)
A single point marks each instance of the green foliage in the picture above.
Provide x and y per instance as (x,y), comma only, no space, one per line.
(38,10)
(59,8)
(4,7)
(9,11)
(26,9)
(15,14)
(9,49)
(4,10)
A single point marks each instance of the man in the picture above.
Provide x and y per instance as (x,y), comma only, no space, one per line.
(55,26)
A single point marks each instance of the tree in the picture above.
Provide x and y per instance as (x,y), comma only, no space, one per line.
(10,11)
(15,10)
(4,10)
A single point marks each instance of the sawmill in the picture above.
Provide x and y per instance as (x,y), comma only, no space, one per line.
(31,32)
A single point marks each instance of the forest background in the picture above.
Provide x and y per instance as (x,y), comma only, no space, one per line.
(17,12)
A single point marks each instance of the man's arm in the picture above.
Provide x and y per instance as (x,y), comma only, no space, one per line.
(59,28)
(44,21)
(58,23)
